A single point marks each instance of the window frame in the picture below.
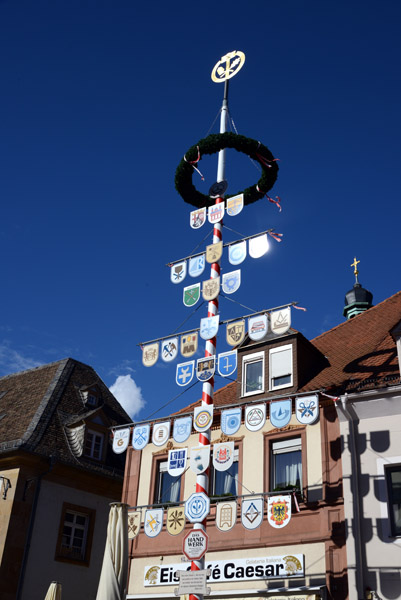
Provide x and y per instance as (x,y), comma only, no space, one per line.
(249,359)
(95,433)
(212,471)
(278,436)
(387,471)
(276,350)
(155,474)
(60,553)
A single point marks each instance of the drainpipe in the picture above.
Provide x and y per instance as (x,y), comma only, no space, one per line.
(356,505)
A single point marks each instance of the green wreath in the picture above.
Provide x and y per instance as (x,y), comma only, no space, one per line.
(214,143)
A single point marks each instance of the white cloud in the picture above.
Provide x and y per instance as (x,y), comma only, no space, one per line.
(12,361)
(128,394)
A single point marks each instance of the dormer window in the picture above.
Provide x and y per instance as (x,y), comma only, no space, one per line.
(253,374)
(280,367)
(91,396)
(93,444)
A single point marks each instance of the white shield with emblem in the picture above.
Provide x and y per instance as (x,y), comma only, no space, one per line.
(211,288)
(237,253)
(169,349)
(215,213)
(140,436)
(307,409)
(258,246)
(279,511)
(280,413)
(255,416)
(189,344)
(161,433)
(198,218)
(134,523)
(226,515)
(182,429)
(177,462)
(203,418)
(153,522)
(234,205)
(280,320)
(235,332)
(252,512)
(150,354)
(223,456)
(205,368)
(257,327)
(214,252)
(199,459)
(120,440)
(178,271)
(231,420)
(209,327)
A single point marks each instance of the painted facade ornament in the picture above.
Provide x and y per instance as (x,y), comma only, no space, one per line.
(203,418)
(189,344)
(252,512)
(177,461)
(223,456)
(257,327)
(196,265)
(237,253)
(226,515)
(255,416)
(169,349)
(121,440)
(215,213)
(199,459)
(153,522)
(209,327)
(231,420)
(280,413)
(307,409)
(140,436)
(134,523)
(185,373)
(161,433)
(182,429)
(235,332)
(231,281)
(214,252)
(150,354)
(197,218)
(234,205)
(211,288)
(279,511)
(205,368)
(178,271)
(280,320)
(175,522)
(191,294)
(227,363)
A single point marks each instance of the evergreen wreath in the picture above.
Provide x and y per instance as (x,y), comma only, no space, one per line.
(214,143)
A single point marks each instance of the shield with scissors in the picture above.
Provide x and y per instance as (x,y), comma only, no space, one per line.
(307,409)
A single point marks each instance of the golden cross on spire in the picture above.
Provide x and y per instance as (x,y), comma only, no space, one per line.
(355,265)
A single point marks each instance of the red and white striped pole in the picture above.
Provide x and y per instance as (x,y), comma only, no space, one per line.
(202,480)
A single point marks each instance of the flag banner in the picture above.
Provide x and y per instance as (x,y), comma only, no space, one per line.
(199,459)
(182,429)
(209,327)
(189,344)
(279,511)
(231,281)
(258,246)
(231,420)
(169,349)
(223,456)
(140,436)
(226,515)
(227,363)
(161,433)
(234,205)
(205,368)
(307,409)
(196,265)
(175,521)
(255,416)
(280,320)
(280,413)
(185,373)
(177,462)
(257,327)
(214,252)
(252,512)
(191,294)
(203,418)
(121,440)
(178,271)
(153,522)
(197,218)
(215,213)
(211,289)
(134,523)
(237,253)
(235,332)
(150,354)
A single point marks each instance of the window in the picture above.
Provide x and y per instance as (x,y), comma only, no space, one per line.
(167,488)
(224,483)
(286,464)
(93,444)
(75,534)
(253,373)
(393,476)
(280,367)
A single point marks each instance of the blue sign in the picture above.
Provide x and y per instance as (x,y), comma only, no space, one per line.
(182,429)
(209,327)
(196,265)
(237,253)
(227,363)
(140,436)
(197,507)
(230,420)
(185,373)
(280,413)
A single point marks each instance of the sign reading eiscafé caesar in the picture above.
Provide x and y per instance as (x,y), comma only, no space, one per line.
(269,567)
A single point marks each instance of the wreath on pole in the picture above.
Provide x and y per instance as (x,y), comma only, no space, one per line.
(214,143)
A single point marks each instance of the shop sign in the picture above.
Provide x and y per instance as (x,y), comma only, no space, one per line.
(243,569)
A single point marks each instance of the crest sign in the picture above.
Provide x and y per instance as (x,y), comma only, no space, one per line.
(211,288)
(120,440)
(234,205)
(214,252)
(197,507)
(161,433)
(307,409)
(235,332)
(177,462)
(226,515)
(231,281)
(196,265)
(198,218)
(153,522)
(175,520)
(134,523)
(215,213)
(227,363)
(199,459)
(203,418)
(279,511)
(252,512)
(237,253)
(223,456)
(178,271)
(205,368)
(257,327)
(280,320)
(169,349)
(255,416)
(182,429)
(189,344)
(209,327)
(258,246)
(191,294)
(280,413)
(150,354)
(231,420)
(185,373)
(140,436)
(228,66)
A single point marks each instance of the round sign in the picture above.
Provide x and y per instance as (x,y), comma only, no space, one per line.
(195,544)
(228,66)
(217,189)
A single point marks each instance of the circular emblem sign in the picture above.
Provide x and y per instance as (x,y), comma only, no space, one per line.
(203,419)
(228,66)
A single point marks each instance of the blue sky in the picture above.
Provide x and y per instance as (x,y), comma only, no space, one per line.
(99,102)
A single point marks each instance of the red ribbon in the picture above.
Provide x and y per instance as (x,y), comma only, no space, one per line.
(299,307)
(296,502)
(265,161)
(195,162)
(276,236)
(270,199)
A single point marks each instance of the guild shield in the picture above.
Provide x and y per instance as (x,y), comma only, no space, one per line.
(185,373)
(234,205)
(223,456)
(134,523)
(279,511)
(214,252)
(140,436)
(150,354)
(307,409)
(205,368)
(255,416)
(199,459)
(189,344)
(182,429)
(258,246)
(161,433)
(280,320)
(280,413)
(178,271)
(121,439)
(197,218)
(231,420)
(177,461)
(153,522)
(226,515)
(203,418)
(196,265)
(215,213)
(252,512)
(211,288)
(257,327)
(209,327)
(227,363)
(237,253)
(235,332)
(231,281)
(191,294)
(169,349)
(175,521)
